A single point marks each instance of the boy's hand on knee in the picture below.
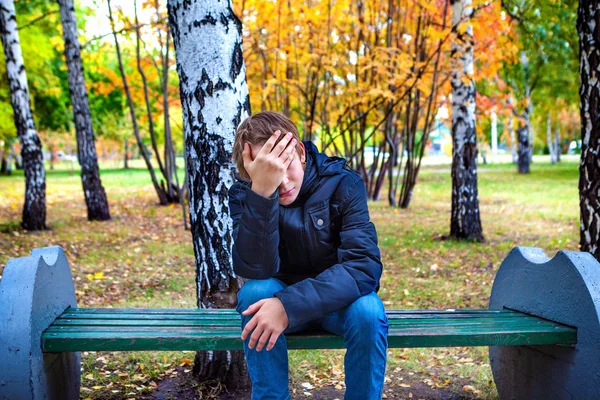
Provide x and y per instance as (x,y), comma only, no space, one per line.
(269,321)
(268,168)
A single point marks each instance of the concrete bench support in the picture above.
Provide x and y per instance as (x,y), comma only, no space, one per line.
(34,291)
(565,289)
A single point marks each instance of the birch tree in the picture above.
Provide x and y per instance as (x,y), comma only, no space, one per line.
(214,97)
(588,27)
(465,221)
(95,196)
(34,208)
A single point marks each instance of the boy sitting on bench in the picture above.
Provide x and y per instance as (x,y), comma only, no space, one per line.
(303,237)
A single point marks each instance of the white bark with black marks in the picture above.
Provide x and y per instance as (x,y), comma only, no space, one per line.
(34,208)
(214,97)
(588,27)
(95,196)
(465,221)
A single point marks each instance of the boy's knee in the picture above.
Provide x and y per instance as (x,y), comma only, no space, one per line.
(366,316)
(255,290)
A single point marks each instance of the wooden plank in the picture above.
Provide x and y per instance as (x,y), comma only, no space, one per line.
(217,330)
(146,311)
(140,341)
(232,311)
(201,329)
(227,316)
(221,312)
(236,320)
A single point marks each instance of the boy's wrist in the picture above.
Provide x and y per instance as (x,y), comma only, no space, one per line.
(262,191)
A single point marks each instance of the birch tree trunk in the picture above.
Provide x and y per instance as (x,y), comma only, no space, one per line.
(214,97)
(34,207)
(588,27)
(95,196)
(465,222)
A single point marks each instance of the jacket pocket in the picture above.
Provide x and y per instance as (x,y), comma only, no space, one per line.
(320,218)
(320,226)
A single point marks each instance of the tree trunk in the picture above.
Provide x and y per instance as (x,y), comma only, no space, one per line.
(214,97)
(549,139)
(34,208)
(588,27)
(465,221)
(95,196)
(523,151)
(525,132)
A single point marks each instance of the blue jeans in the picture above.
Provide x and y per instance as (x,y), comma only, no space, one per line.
(363,324)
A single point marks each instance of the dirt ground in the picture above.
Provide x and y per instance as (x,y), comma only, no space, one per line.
(183,387)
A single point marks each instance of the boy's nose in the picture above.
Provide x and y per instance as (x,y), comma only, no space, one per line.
(285,181)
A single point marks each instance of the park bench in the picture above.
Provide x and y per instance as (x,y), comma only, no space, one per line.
(542,327)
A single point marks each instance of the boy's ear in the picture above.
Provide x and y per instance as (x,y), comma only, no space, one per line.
(302,152)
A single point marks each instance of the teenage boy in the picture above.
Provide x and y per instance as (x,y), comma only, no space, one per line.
(303,237)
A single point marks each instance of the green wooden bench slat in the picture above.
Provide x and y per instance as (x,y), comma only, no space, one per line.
(224,316)
(230,340)
(485,328)
(86,333)
(158,325)
(201,329)
(150,311)
(235,321)
(232,311)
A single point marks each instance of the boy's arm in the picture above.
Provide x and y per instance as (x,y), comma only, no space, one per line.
(356,274)
(255,232)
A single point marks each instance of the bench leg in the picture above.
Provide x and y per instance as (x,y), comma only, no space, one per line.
(565,289)
(34,291)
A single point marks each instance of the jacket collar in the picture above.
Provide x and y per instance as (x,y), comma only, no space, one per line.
(318,165)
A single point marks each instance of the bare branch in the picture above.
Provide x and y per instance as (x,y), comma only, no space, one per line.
(37,19)
(127,29)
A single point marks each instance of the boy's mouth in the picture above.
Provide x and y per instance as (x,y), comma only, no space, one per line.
(286,194)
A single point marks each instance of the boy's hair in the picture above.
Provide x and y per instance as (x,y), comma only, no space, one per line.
(257,129)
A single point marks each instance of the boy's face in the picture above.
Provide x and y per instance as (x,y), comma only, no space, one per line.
(292,181)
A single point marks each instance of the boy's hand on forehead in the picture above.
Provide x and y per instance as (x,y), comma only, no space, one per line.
(269,167)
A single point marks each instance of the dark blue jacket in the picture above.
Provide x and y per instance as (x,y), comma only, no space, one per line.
(323,244)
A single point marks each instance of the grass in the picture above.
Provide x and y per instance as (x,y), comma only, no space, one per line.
(143,257)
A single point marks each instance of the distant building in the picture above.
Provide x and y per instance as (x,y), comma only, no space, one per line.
(440,140)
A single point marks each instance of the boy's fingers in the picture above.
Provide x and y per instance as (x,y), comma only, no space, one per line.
(282,145)
(289,149)
(264,338)
(272,341)
(287,162)
(248,328)
(253,307)
(246,154)
(255,336)
(269,144)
